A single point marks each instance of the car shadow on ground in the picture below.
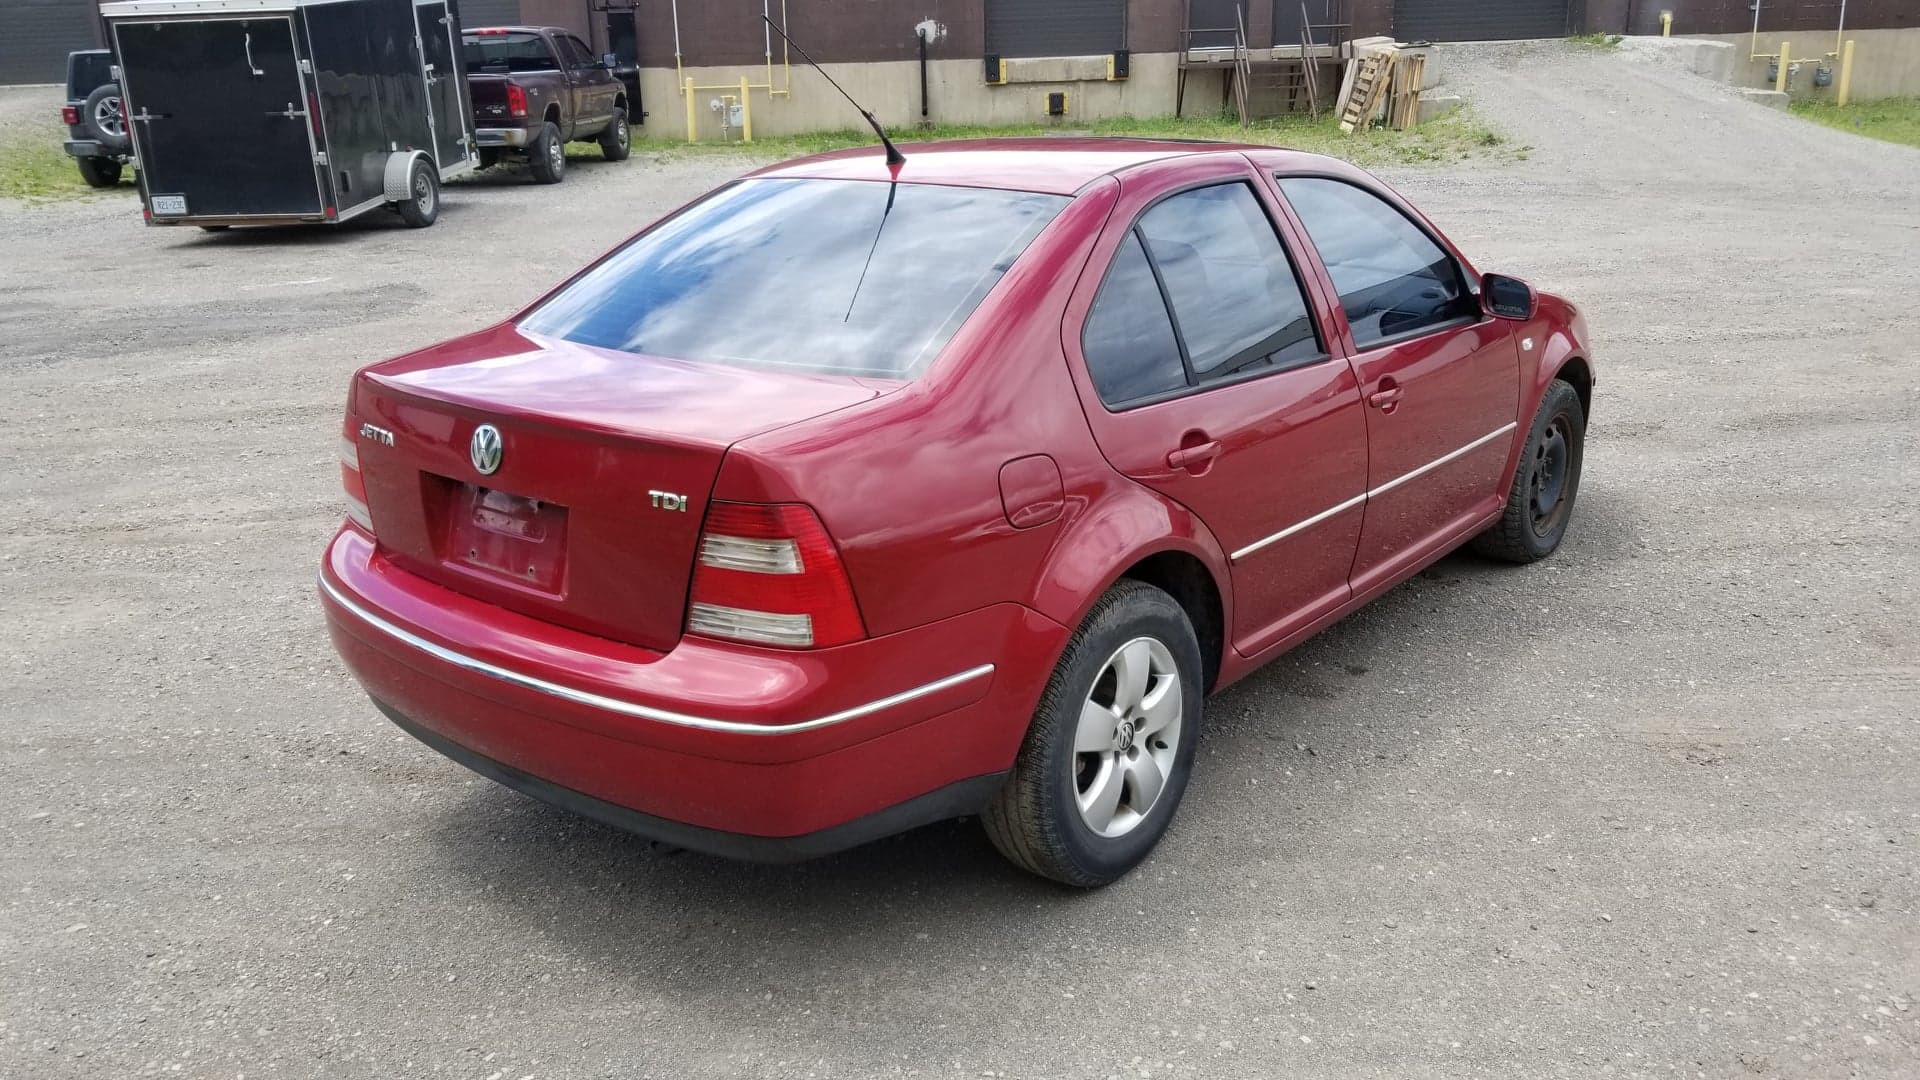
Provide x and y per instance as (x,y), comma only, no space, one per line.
(655,913)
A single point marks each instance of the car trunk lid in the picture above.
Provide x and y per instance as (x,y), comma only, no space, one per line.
(589,517)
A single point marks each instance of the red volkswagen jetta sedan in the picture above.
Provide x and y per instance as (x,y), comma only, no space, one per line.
(851,497)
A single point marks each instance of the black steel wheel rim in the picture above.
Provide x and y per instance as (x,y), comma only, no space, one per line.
(1550,476)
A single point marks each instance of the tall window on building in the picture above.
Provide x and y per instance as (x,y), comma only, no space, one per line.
(1056,27)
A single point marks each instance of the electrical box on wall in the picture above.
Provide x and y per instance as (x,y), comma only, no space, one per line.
(1057,103)
(1117,66)
(996,71)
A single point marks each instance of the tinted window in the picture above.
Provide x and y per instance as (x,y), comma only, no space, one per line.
(578,55)
(839,276)
(1129,343)
(1233,291)
(1392,277)
(506,52)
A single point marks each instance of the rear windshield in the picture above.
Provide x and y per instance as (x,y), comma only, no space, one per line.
(844,277)
(507,52)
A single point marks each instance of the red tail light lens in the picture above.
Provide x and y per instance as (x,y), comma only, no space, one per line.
(770,575)
(516,100)
(69,114)
(351,480)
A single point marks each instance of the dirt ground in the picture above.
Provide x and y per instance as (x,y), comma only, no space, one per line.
(1647,809)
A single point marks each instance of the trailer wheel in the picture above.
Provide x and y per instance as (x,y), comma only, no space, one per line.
(423,202)
(548,155)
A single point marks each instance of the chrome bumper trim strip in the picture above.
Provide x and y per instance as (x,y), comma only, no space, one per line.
(628,708)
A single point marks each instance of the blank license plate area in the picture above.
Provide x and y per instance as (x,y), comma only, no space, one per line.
(509,536)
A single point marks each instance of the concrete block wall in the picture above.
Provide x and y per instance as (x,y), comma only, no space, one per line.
(957,93)
(1886,63)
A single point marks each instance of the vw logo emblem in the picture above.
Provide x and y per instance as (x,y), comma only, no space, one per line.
(485,449)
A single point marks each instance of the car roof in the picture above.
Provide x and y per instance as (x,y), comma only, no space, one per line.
(1060,165)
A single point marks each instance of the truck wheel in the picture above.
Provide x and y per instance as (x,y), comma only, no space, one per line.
(548,155)
(617,141)
(1108,754)
(422,204)
(100,172)
(103,118)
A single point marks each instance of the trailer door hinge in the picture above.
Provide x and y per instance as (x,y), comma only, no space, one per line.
(319,157)
(306,67)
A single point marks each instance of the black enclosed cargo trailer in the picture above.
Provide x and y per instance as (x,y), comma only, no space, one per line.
(264,111)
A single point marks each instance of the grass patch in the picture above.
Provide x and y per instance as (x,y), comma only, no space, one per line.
(1596,41)
(1895,120)
(35,168)
(1454,137)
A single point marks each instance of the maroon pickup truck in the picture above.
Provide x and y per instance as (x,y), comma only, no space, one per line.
(538,88)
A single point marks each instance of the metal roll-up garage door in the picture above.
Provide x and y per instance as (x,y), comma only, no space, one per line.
(1056,27)
(36,35)
(1478,20)
(490,13)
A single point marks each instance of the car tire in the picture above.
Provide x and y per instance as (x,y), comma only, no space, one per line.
(548,155)
(1075,807)
(99,172)
(617,141)
(103,115)
(422,204)
(1540,503)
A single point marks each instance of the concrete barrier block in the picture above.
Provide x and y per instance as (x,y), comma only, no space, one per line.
(1434,106)
(1772,99)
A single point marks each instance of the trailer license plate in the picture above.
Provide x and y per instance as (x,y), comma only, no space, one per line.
(169,204)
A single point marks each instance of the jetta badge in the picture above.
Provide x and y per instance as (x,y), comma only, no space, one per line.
(485,449)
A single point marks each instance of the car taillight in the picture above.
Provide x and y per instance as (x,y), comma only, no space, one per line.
(770,575)
(516,100)
(352,481)
(69,114)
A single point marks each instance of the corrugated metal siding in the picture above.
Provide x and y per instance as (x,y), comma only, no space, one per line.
(1478,20)
(490,13)
(1056,27)
(37,35)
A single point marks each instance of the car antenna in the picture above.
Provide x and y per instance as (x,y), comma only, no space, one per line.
(894,156)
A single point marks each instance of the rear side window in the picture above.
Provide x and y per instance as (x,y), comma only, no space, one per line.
(506,52)
(844,277)
(1234,295)
(577,53)
(1129,343)
(1393,279)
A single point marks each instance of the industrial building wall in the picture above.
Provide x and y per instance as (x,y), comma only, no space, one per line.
(36,35)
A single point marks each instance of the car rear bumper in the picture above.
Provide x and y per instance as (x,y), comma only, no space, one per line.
(496,138)
(756,753)
(80,148)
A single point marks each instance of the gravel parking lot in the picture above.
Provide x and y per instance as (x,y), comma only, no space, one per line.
(1650,808)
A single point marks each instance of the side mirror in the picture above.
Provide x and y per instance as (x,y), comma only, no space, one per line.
(609,60)
(1504,297)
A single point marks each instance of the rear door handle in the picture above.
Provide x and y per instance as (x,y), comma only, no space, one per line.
(1188,457)
(1385,398)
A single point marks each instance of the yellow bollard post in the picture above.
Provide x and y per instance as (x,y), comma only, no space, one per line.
(1666,24)
(1780,74)
(746,111)
(1846,71)
(693,134)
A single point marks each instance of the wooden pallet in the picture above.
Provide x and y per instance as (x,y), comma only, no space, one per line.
(1369,86)
(1403,108)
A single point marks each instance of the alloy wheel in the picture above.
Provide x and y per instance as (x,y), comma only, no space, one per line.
(1127,738)
(556,155)
(106,114)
